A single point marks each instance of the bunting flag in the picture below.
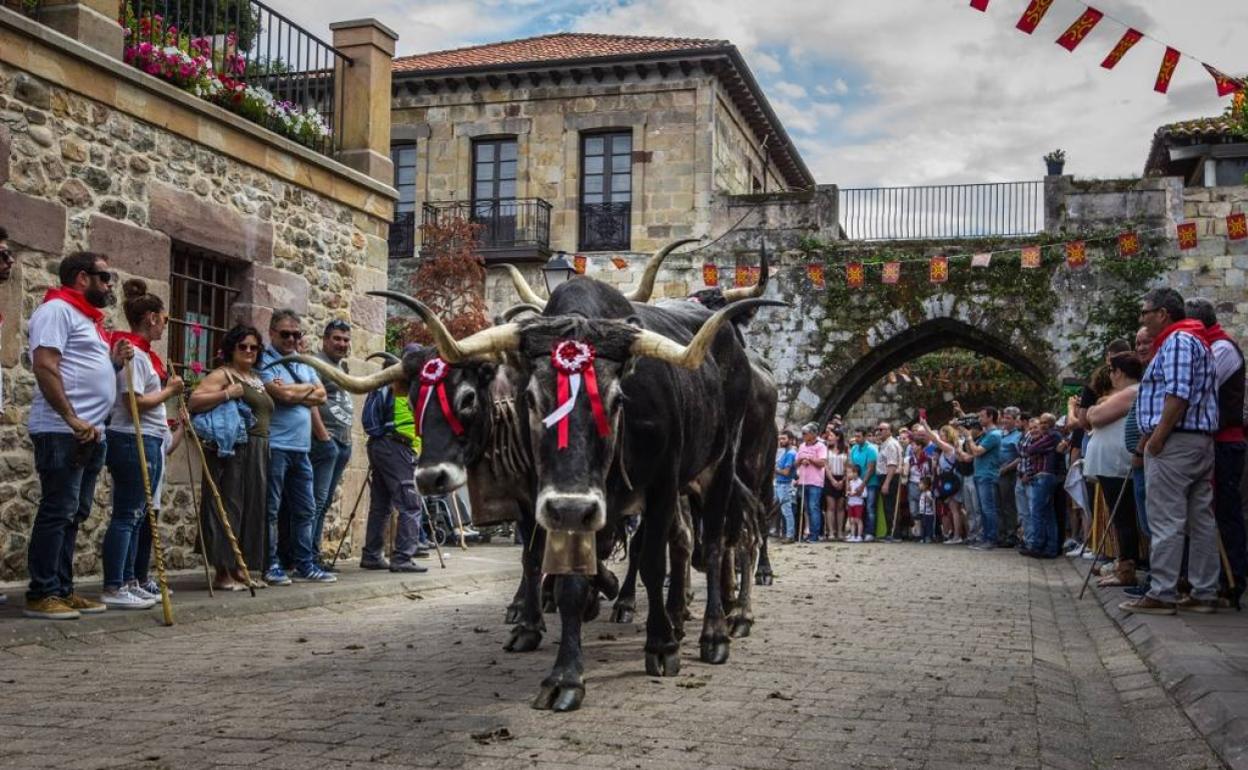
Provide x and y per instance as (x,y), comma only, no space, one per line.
(1031,257)
(755,273)
(981,260)
(741,276)
(892,272)
(1187,236)
(814,273)
(1128,39)
(1225,83)
(938,271)
(1076,32)
(710,274)
(1237,226)
(979,5)
(619,262)
(1076,255)
(1031,17)
(855,274)
(1128,245)
(578,264)
(1168,64)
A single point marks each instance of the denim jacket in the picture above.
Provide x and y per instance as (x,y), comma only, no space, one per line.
(225,426)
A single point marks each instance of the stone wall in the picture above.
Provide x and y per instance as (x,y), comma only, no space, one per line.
(131,177)
(1217,268)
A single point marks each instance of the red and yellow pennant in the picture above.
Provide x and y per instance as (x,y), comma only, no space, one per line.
(1032,16)
(1187,236)
(578,264)
(1076,255)
(756,272)
(1237,226)
(938,270)
(710,274)
(1169,62)
(741,276)
(1225,83)
(892,272)
(1125,43)
(619,262)
(1128,244)
(855,274)
(814,272)
(1030,257)
(1076,32)
(979,5)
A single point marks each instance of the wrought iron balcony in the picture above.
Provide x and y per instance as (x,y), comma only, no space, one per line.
(403,235)
(605,226)
(511,229)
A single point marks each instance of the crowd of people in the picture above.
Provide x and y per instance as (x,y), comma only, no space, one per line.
(1141,473)
(275,441)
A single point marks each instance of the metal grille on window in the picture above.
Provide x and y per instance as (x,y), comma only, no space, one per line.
(494,190)
(403,231)
(202,292)
(606,191)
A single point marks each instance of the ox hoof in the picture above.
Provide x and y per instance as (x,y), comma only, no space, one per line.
(740,628)
(714,652)
(662,664)
(523,640)
(566,697)
(622,614)
(513,614)
(764,579)
(592,607)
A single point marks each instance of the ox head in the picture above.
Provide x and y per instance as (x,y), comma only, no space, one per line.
(576,368)
(717,298)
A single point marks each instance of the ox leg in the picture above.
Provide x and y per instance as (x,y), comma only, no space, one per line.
(714,643)
(526,635)
(548,595)
(742,618)
(626,605)
(662,646)
(516,609)
(762,574)
(564,688)
(680,551)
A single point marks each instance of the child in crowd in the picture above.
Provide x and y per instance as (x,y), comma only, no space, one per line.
(927,509)
(855,493)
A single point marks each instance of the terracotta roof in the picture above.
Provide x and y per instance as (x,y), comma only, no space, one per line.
(549,48)
(1216,130)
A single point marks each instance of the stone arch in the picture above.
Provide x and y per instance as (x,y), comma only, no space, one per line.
(920,339)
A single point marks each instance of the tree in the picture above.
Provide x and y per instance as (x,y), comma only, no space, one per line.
(450,279)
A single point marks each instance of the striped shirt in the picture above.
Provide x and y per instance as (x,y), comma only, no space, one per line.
(1039,453)
(1182,368)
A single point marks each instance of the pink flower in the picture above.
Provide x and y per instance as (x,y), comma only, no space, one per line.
(197,367)
(197,329)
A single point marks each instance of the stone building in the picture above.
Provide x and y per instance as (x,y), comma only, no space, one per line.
(584,143)
(224,218)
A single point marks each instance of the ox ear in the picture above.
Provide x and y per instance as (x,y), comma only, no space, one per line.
(633,321)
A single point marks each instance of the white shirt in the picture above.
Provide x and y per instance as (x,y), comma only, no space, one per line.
(856,488)
(836,463)
(86,369)
(890,455)
(1226,361)
(145,381)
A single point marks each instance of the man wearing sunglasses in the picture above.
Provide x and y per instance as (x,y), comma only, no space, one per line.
(331,426)
(296,391)
(75,365)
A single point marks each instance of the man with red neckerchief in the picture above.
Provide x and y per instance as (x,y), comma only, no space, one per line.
(75,365)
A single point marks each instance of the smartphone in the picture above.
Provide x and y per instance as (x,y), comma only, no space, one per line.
(922,415)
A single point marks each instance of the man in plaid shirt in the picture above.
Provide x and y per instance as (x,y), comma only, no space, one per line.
(1177,410)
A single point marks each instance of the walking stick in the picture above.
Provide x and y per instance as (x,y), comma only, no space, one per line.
(199,520)
(896,509)
(351,519)
(433,538)
(801,513)
(216,496)
(1100,545)
(459,522)
(158,547)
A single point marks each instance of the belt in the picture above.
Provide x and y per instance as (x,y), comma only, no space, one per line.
(1193,431)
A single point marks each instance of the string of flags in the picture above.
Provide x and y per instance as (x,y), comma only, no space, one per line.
(1091,17)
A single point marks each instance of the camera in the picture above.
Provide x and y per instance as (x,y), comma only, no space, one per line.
(968,421)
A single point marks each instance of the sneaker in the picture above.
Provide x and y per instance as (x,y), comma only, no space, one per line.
(84,605)
(50,608)
(378,564)
(1188,604)
(1136,591)
(954,541)
(984,547)
(1071,544)
(153,588)
(408,567)
(124,600)
(1089,555)
(869,539)
(422,553)
(142,593)
(1147,605)
(312,574)
(326,566)
(276,576)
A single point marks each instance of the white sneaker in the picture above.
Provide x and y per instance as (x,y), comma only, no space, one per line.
(870,539)
(1075,551)
(954,541)
(136,590)
(1089,554)
(124,600)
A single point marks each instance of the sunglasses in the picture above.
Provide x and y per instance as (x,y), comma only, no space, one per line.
(247,348)
(337,325)
(291,335)
(105,276)
(6,255)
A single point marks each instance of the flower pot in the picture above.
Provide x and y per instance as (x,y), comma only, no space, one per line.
(1055,167)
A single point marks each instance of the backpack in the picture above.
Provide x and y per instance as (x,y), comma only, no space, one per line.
(377,418)
(947,485)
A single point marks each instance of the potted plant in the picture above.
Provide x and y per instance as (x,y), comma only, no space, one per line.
(1056,161)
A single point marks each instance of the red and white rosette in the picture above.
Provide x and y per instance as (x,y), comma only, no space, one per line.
(573,361)
(433,380)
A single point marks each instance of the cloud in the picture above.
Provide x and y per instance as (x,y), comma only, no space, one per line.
(791,90)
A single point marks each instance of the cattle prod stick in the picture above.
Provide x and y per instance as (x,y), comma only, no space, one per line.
(166,605)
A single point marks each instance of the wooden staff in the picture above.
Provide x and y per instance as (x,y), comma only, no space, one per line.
(459,522)
(896,506)
(433,538)
(220,506)
(199,521)
(1100,545)
(801,513)
(158,547)
(351,519)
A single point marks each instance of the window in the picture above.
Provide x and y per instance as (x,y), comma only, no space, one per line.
(606,191)
(202,289)
(403,231)
(494,189)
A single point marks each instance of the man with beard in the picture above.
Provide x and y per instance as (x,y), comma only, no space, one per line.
(76,367)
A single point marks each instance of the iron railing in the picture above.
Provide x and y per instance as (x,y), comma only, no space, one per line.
(515,223)
(246,57)
(403,235)
(202,290)
(942,211)
(29,8)
(606,226)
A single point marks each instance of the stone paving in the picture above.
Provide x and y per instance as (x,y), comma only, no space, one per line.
(862,656)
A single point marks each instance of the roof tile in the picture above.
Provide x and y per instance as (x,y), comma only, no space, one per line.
(547,48)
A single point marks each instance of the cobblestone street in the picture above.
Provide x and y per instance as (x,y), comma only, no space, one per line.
(882,656)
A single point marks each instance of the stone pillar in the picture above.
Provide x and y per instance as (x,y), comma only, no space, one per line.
(365,96)
(90,22)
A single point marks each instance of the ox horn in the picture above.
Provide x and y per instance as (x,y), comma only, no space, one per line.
(747,292)
(646,287)
(385,355)
(527,293)
(484,344)
(653,345)
(516,310)
(350,383)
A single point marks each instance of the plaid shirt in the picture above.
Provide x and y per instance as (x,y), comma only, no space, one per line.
(1183,368)
(1039,453)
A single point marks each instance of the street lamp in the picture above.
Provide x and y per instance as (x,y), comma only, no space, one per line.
(556,271)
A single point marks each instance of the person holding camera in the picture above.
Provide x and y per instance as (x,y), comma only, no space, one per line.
(986,449)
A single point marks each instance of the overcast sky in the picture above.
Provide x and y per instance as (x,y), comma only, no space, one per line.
(905,92)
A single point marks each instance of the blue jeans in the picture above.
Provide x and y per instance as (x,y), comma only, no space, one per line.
(1041,530)
(812,498)
(290,482)
(67,475)
(1021,503)
(873,494)
(986,496)
(329,460)
(784,496)
(129,502)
